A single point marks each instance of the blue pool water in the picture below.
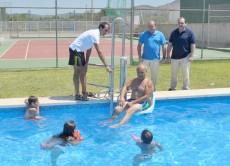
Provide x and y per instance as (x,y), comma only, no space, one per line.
(191,131)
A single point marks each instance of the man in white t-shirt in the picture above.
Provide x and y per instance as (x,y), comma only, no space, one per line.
(79,53)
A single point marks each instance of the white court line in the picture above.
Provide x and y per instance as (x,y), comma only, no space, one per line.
(12,44)
(27,49)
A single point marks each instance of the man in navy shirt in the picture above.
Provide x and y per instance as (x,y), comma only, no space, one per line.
(182,45)
(153,41)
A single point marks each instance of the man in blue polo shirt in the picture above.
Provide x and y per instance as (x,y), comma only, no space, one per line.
(182,45)
(153,40)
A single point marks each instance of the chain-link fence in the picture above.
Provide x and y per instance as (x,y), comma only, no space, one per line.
(38,34)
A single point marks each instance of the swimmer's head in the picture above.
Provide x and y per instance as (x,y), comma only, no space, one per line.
(69,128)
(32,100)
(146,136)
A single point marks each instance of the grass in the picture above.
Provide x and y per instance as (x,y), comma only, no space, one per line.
(58,81)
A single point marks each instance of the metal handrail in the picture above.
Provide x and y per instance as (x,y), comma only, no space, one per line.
(98,85)
(97,65)
(122,73)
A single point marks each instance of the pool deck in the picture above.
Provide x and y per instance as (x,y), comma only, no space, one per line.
(160,95)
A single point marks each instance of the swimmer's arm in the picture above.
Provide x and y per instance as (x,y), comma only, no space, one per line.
(39,118)
(73,141)
(26,101)
(38,108)
(136,138)
(32,110)
(49,144)
(159,146)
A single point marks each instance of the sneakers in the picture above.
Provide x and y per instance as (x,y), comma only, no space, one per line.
(171,89)
(91,94)
(78,97)
(81,98)
(85,97)
(185,88)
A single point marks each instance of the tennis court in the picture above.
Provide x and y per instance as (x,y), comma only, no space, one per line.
(34,52)
(23,53)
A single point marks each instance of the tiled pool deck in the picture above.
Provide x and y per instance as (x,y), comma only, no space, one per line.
(56,100)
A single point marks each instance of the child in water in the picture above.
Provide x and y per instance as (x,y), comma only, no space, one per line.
(55,144)
(32,108)
(147,145)
(68,135)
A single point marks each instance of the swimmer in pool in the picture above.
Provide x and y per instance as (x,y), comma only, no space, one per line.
(68,135)
(32,108)
(147,145)
(56,143)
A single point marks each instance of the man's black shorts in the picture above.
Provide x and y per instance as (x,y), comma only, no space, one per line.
(76,58)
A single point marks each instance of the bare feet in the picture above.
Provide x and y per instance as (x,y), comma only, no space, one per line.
(115,125)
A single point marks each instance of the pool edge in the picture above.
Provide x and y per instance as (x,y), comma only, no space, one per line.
(160,95)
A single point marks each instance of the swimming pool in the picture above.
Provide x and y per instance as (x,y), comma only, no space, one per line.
(193,131)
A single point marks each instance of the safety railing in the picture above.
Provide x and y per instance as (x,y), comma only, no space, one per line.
(101,85)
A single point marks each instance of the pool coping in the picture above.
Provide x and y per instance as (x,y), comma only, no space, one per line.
(160,95)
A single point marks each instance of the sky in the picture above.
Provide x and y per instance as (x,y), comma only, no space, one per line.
(71,3)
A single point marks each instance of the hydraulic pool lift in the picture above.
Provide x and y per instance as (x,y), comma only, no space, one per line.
(123,63)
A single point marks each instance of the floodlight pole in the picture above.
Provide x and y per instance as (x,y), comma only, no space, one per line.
(202,49)
(56,29)
(208,38)
(92,11)
(131,31)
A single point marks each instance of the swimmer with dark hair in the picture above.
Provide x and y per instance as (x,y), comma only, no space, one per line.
(147,145)
(69,135)
(32,108)
(56,144)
